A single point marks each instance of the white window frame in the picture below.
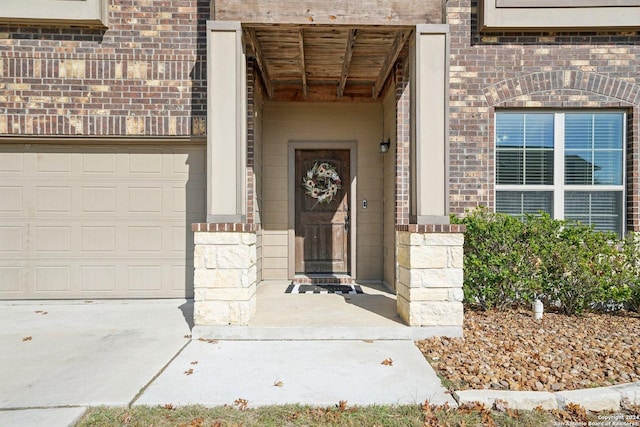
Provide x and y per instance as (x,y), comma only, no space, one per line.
(550,15)
(559,188)
(89,13)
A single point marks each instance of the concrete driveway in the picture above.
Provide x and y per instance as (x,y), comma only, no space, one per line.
(70,355)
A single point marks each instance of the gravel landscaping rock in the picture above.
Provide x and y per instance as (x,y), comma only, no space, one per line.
(512,351)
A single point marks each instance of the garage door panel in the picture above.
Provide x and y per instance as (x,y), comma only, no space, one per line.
(98,278)
(98,238)
(145,199)
(52,278)
(10,280)
(52,239)
(101,162)
(145,239)
(10,199)
(10,239)
(190,162)
(11,162)
(99,221)
(144,278)
(145,163)
(98,199)
(53,162)
(53,199)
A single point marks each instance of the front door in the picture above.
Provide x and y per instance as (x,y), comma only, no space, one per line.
(322,179)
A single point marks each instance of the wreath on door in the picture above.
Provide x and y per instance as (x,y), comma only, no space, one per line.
(322,182)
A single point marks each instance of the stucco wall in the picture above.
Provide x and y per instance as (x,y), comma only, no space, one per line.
(522,70)
(142,76)
(299,122)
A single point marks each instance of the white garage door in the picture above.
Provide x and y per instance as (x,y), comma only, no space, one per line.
(99,221)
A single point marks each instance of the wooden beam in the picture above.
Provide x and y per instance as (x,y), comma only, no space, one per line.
(330,12)
(322,93)
(346,63)
(262,66)
(303,68)
(390,60)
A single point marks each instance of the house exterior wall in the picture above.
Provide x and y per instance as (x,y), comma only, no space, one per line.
(389,196)
(144,75)
(283,123)
(531,70)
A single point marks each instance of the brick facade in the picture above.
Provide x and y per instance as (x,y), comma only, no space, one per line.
(531,70)
(143,76)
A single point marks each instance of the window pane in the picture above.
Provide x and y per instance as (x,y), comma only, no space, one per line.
(602,209)
(524,148)
(539,130)
(578,131)
(578,168)
(608,167)
(608,131)
(594,148)
(538,167)
(509,167)
(524,202)
(509,130)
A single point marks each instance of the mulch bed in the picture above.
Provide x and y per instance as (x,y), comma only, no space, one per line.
(512,351)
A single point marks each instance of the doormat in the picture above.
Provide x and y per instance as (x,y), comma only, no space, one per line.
(303,288)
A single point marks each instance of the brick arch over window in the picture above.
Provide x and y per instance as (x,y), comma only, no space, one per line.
(526,84)
(577,89)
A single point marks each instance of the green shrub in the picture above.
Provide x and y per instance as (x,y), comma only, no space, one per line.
(497,266)
(511,261)
(631,268)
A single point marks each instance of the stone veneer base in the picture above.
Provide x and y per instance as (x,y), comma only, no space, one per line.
(429,274)
(225,274)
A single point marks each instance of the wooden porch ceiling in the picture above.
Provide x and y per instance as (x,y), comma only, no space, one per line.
(324,62)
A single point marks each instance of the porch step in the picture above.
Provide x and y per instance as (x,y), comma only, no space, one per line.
(306,333)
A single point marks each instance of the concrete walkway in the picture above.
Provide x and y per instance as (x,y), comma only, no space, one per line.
(58,358)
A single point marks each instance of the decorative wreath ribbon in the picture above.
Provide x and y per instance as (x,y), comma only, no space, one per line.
(322,182)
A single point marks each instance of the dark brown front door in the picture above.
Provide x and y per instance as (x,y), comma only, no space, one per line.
(322,211)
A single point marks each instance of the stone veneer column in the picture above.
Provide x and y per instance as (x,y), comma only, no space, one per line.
(225,276)
(430,274)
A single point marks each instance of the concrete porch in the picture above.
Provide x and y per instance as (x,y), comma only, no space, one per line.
(281,316)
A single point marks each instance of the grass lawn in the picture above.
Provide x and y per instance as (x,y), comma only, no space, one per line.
(339,415)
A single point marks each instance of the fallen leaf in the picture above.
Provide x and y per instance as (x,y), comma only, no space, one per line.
(501,405)
(189,372)
(41,312)
(507,350)
(388,362)
(241,404)
(278,384)
(196,422)
(195,362)
(27,339)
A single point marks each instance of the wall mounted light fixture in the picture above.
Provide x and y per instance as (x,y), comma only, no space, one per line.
(384,146)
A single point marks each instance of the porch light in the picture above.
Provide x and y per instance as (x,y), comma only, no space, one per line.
(384,146)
